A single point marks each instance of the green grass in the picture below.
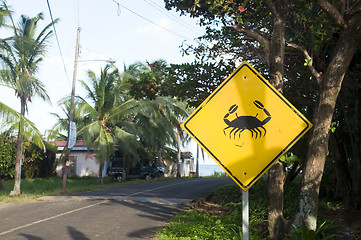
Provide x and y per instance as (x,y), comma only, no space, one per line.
(32,189)
(192,224)
(218,174)
(227,223)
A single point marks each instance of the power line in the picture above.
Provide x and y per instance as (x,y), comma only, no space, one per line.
(57,40)
(168,14)
(146,19)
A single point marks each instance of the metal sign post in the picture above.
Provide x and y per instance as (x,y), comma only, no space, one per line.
(245,215)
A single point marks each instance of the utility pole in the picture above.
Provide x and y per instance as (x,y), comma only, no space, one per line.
(71,112)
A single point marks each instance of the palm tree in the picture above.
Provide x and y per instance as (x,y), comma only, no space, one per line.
(111,115)
(62,123)
(162,121)
(24,52)
(12,118)
(171,113)
(4,13)
(116,117)
(8,115)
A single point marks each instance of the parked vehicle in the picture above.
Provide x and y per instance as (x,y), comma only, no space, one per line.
(142,168)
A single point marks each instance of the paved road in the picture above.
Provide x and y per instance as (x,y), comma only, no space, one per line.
(129,212)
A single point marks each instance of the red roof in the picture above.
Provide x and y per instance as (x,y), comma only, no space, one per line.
(79,143)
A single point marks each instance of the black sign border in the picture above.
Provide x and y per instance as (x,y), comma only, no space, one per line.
(275,158)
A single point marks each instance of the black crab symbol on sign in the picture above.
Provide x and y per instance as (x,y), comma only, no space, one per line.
(250,123)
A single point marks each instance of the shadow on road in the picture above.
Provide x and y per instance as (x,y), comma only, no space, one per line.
(30,237)
(153,211)
(150,212)
(73,234)
(76,235)
(143,233)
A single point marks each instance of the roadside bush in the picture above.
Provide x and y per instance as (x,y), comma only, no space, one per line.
(38,163)
(7,156)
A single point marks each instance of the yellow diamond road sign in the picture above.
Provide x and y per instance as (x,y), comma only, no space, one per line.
(246,125)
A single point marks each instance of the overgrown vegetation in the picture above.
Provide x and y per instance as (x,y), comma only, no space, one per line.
(218,174)
(7,156)
(36,162)
(220,217)
(307,50)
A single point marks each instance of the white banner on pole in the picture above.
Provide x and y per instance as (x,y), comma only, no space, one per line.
(72,135)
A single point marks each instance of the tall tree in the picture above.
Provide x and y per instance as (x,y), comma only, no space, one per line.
(261,27)
(4,13)
(345,138)
(346,17)
(109,113)
(8,116)
(24,52)
(261,35)
(162,121)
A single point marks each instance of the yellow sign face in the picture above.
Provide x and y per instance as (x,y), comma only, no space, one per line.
(246,125)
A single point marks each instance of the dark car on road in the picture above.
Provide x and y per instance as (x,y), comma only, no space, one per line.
(141,168)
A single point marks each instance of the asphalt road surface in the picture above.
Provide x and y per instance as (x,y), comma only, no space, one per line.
(129,212)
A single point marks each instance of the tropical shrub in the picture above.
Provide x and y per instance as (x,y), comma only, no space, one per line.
(38,163)
(7,156)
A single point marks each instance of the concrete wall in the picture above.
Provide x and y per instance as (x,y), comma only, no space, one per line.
(186,168)
(83,166)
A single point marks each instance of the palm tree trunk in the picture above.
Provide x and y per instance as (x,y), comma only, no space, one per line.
(179,146)
(100,175)
(159,151)
(128,165)
(124,177)
(65,172)
(19,152)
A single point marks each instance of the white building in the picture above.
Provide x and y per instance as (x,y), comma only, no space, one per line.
(82,162)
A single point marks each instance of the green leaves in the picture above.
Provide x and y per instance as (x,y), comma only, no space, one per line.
(12,119)
(7,156)
(115,117)
(333,127)
(24,52)
(290,159)
(307,61)
(323,231)
(239,19)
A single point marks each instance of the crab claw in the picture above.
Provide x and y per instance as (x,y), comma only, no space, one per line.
(233,108)
(258,104)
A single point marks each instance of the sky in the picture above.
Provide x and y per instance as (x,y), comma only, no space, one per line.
(126,31)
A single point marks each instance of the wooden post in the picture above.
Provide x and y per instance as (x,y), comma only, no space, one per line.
(71,113)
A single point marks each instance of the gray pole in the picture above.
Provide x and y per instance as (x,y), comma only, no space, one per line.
(71,112)
(245,216)
(197,162)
